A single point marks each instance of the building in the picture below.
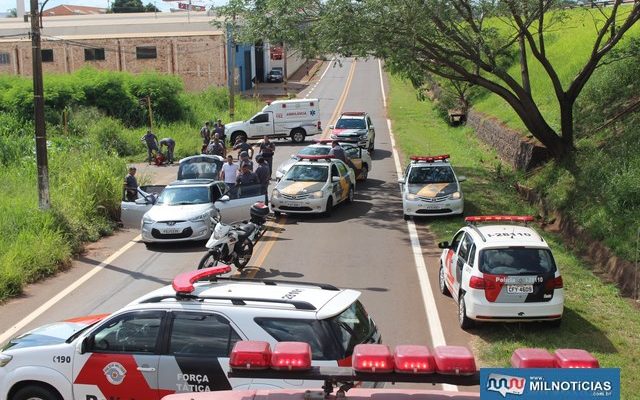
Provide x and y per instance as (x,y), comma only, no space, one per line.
(67,9)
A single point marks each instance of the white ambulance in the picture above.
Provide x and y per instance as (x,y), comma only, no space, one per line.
(295,119)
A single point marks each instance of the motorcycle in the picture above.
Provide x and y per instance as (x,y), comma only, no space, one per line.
(233,244)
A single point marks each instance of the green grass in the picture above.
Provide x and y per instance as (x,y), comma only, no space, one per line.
(596,317)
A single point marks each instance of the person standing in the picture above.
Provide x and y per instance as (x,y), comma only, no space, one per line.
(247,182)
(338,152)
(264,175)
(216,148)
(267,148)
(242,146)
(205,133)
(131,185)
(245,160)
(229,174)
(219,132)
(152,144)
(171,145)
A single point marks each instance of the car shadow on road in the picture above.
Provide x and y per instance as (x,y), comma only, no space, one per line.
(380,154)
(342,212)
(264,273)
(138,276)
(178,247)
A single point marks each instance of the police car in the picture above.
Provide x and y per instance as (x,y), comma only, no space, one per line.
(501,272)
(430,187)
(178,338)
(315,184)
(355,125)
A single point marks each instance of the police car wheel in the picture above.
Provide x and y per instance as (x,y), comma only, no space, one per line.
(364,173)
(406,217)
(351,195)
(149,245)
(464,321)
(329,208)
(443,285)
(35,393)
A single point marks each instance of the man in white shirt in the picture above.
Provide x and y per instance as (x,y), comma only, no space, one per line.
(229,174)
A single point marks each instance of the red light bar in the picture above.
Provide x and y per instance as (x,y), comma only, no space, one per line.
(454,360)
(306,157)
(250,354)
(372,358)
(323,140)
(532,358)
(183,283)
(430,159)
(354,113)
(499,218)
(575,358)
(413,360)
(291,356)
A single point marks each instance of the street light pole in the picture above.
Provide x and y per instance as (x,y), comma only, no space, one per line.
(38,110)
(232,70)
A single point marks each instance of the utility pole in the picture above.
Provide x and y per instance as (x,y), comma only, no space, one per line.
(232,70)
(284,69)
(38,110)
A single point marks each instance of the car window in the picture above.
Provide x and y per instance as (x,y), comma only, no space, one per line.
(195,170)
(244,191)
(516,261)
(350,123)
(465,248)
(183,195)
(472,255)
(334,171)
(314,332)
(199,334)
(440,174)
(352,152)
(224,189)
(343,169)
(369,122)
(260,118)
(135,332)
(456,240)
(353,326)
(308,173)
(314,151)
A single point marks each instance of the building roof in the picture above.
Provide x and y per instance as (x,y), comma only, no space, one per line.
(70,9)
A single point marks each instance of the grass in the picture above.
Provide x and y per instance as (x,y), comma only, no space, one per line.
(596,317)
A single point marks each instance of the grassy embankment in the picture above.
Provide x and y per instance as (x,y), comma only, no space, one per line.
(87,163)
(596,318)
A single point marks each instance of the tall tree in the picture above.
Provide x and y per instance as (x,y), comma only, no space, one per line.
(473,41)
(127,6)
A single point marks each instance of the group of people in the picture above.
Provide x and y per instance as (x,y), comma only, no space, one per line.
(155,148)
(213,140)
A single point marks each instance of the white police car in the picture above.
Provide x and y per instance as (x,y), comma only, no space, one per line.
(501,273)
(430,187)
(178,338)
(356,126)
(315,184)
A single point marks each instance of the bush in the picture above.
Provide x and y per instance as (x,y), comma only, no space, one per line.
(163,90)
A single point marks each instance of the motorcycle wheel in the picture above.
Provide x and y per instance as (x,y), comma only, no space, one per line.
(208,261)
(243,254)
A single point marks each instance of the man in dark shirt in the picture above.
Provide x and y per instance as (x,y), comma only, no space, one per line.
(216,148)
(205,133)
(338,152)
(245,160)
(152,144)
(171,145)
(267,148)
(263,174)
(131,185)
(247,182)
(242,146)
(218,130)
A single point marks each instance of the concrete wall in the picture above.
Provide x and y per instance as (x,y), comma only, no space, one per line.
(522,153)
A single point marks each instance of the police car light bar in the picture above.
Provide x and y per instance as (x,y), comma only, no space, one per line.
(374,358)
(430,159)
(575,358)
(291,356)
(354,113)
(251,355)
(532,358)
(499,218)
(454,360)
(413,359)
(183,283)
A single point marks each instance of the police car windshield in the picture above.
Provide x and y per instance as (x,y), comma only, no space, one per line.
(350,123)
(314,151)
(516,261)
(440,174)
(196,170)
(353,326)
(308,173)
(183,195)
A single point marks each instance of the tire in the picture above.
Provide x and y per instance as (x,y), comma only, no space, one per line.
(329,208)
(208,261)
(149,245)
(364,173)
(244,255)
(298,135)
(442,283)
(277,213)
(464,321)
(35,393)
(406,217)
(236,135)
(351,195)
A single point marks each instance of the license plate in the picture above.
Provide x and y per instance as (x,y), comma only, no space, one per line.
(171,231)
(519,289)
(290,204)
(431,207)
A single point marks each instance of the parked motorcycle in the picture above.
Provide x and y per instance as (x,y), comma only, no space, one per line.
(233,244)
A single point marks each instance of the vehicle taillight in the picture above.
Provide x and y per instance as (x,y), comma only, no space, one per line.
(476,282)
(372,358)
(555,283)
(413,360)
(250,354)
(454,360)
(575,358)
(291,356)
(532,358)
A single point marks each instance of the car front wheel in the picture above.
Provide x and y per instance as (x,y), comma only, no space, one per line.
(442,283)
(464,321)
(329,207)
(35,393)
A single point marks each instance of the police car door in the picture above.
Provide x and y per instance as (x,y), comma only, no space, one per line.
(119,359)
(345,179)
(462,268)
(196,357)
(450,263)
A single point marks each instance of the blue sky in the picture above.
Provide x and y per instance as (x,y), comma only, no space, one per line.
(162,5)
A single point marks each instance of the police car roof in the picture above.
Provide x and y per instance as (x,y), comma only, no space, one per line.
(507,235)
(300,394)
(324,300)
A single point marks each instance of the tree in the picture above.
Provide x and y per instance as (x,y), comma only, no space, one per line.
(473,41)
(127,6)
(151,8)
(13,12)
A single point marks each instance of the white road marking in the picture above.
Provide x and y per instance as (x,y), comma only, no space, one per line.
(51,302)
(321,76)
(433,317)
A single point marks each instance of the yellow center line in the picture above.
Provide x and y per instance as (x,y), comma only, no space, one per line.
(264,247)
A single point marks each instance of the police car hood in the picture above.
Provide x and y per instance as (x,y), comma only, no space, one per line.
(46,335)
(341,133)
(161,212)
(299,187)
(433,189)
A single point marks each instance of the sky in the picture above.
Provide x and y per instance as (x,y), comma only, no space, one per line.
(162,5)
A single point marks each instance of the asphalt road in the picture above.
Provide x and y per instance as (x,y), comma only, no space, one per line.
(365,245)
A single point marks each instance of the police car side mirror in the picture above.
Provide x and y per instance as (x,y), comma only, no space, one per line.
(335,179)
(225,198)
(462,178)
(84,345)
(444,245)
(330,127)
